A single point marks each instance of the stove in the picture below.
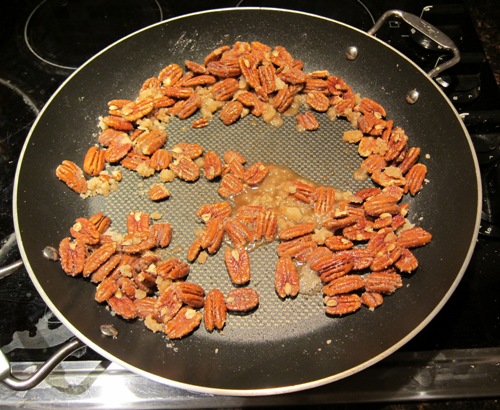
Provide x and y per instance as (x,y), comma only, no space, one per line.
(456,356)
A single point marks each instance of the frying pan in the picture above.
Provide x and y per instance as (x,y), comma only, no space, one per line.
(283,346)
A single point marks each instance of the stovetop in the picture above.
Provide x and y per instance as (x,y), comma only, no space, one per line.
(43,41)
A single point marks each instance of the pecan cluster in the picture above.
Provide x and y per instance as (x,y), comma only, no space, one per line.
(245,78)
(359,245)
(136,282)
(362,253)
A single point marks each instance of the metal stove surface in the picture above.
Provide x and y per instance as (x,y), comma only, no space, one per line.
(463,340)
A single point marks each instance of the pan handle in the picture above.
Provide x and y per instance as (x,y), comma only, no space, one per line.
(11,268)
(433,37)
(14,383)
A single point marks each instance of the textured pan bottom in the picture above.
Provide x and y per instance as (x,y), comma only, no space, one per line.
(320,156)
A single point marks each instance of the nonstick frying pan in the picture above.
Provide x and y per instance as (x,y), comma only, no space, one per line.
(283,346)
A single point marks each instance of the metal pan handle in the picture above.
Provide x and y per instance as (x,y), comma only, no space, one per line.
(11,268)
(14,383)
(433,37)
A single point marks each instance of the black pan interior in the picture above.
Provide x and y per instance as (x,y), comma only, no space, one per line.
(283,346)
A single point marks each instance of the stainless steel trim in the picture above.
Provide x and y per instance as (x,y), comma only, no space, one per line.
(26,382)
(403,376)
(433,36)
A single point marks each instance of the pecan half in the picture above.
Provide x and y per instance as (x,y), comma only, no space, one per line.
(386,282)
(217,210)
(203,80)
(360,258)
(200,123)
(181,93)
(193,103)
(372,300)
(267,78)
(72,175)
(296,231)
(167,305)
(98,257)
(135,161)
(331,265)
(374,163)
(230,185)
(225,89)
(137,222)
(415,178)
(183,323)
(396,144)
(214,315)
(100,221)
(230,156)
(384,258)
(72,254)
(302,192)
(186,169)
(118,123)
(149,142)
(190,293)
(324,200)
(212,166)
(414,237)
(170,74)
(238,264)
(158,192)
(344,284)
(162,232)
(194,250)
(94,161)
(213,234)
(410,159)
(123,306)
(242,300)
(105,269)
(361,230)
(381,204)
(367,105)
(407,262)
(160,160)
(318,101)
(118,148)
(338,243)
(292,75)
(298,248)
(255,174)
(185,149)
(106,288)
(135,110)
(286,280)
(145,307)
(195,67)
(223,70)
(231,112)
(339,305)
(266,224)
(86,231)
(138,242)
(172,268)
(249,71)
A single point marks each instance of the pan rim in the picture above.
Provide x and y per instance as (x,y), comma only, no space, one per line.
(244,392)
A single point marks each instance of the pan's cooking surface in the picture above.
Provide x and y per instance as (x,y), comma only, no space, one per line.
(287,343)
(256,140)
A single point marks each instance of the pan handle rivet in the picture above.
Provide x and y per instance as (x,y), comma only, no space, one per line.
(50,253)
(351,53)
(412,96)
(109,331)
